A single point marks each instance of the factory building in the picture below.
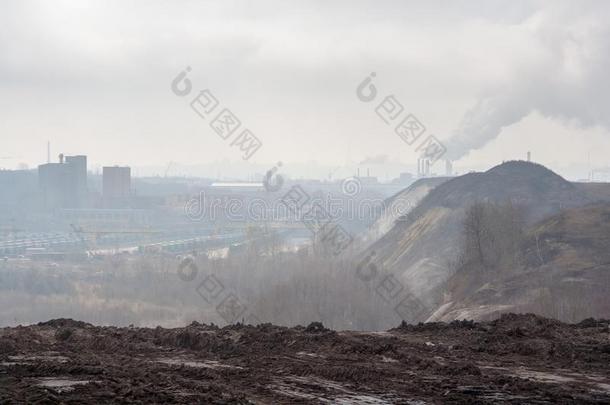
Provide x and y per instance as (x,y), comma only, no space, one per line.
(79,167)
(63,184)
(116,186)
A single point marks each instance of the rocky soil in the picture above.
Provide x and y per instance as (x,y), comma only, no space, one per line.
(515,359)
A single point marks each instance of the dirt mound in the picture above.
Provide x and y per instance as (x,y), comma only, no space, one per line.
(524,325)
(437,326)
(593,323)
(316,327)
(65,323)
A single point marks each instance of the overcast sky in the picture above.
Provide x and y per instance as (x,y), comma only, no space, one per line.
(491,80)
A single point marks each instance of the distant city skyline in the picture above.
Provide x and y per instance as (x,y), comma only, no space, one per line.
(385,171)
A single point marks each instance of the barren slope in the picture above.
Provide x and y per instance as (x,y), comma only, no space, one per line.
(565,273)
(423,244)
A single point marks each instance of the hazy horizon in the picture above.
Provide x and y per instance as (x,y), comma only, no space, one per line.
(491,80)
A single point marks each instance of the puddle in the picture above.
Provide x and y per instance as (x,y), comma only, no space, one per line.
(60,384)
(21,360)
(29,359)
(559,376)
(543,376)
(489,394)
(369,400)
(330,392)
(377,333)
(308,354)
(198,364)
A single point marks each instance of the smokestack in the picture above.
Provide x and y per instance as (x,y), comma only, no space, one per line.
(529,156)
(61,158)
(448,168)
(423,167)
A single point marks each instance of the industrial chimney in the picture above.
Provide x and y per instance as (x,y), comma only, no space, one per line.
(448,168)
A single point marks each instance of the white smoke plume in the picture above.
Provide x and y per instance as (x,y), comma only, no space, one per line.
(568,77)
(375,160)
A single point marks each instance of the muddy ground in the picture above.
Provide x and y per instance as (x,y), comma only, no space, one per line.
(516,359)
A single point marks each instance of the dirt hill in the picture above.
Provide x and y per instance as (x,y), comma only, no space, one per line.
(422,247)
(401,204)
